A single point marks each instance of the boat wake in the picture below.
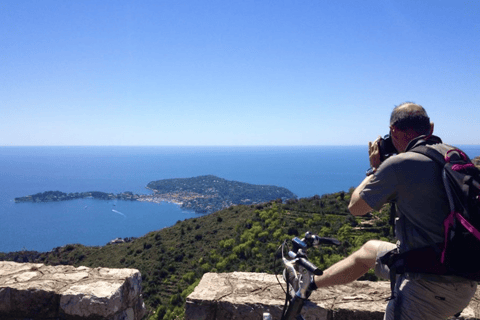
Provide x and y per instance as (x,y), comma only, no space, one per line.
(116,211)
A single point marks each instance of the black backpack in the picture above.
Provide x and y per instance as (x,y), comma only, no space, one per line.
(459,253)
(460,250)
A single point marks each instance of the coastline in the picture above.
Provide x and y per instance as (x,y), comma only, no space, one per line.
(178,198)
(202,194)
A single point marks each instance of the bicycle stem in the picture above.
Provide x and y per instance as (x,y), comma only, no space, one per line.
(294,309)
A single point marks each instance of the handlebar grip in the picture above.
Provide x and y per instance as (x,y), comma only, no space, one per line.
(310,266)
(325,240)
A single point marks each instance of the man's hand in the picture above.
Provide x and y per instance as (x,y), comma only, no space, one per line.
(358,206)
(374,153)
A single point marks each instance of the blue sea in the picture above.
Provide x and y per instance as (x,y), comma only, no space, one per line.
(306,171)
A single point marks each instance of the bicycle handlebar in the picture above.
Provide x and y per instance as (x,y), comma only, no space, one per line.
(310,266)
(316,240)
(299,272)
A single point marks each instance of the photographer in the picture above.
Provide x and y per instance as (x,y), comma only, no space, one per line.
(413,182)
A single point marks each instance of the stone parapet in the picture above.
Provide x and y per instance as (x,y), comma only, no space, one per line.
(39,292)
(246,296)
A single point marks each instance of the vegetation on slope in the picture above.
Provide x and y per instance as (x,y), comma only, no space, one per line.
(240,238)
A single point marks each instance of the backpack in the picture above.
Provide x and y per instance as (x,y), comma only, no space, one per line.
(460,250)
(459,253)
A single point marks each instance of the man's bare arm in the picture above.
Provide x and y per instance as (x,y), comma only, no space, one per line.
(358,206)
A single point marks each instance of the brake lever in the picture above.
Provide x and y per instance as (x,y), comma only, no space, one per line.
(299,272)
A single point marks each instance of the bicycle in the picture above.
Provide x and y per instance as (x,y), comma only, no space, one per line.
(299,274)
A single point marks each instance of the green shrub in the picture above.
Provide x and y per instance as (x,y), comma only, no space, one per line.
(186,292)
(176,299)
(227,244)
(189,277)
(205,267)
(222,265)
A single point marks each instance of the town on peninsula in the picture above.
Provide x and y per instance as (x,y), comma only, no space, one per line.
(202,194)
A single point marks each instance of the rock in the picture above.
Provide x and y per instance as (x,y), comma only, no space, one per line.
(476,161)
(246,296)
(37,291)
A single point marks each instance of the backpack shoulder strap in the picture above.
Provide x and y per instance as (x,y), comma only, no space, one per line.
(431,153)
(437,157)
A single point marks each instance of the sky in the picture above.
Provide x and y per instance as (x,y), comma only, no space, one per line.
(234,73)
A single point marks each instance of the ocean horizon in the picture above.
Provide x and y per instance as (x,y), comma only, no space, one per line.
(304,170)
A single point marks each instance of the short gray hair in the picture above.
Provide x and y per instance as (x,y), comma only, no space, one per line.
(409,115)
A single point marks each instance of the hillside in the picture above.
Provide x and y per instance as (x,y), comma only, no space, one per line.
(240,238)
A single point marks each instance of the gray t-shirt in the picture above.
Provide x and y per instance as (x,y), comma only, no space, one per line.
(414,182)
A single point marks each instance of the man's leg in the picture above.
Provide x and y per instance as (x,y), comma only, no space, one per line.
(428,300)
(352,267)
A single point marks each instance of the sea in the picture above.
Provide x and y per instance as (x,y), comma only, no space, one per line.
(304,170)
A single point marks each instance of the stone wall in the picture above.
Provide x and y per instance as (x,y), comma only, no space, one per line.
(246,296)
(39,292)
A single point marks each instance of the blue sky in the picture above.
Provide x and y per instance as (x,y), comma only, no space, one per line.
(303,72)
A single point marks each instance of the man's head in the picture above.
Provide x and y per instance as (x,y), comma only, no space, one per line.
(407,122)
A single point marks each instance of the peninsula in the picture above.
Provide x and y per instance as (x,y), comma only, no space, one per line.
(206,194)
(203,194)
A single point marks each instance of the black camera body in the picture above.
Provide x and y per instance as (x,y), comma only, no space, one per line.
(386,147)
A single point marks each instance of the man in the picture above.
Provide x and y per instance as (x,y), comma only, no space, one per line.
(413,181)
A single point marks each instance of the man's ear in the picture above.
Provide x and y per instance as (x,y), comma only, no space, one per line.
(430,132)
(394,132)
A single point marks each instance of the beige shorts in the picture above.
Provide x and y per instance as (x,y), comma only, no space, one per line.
(426,297)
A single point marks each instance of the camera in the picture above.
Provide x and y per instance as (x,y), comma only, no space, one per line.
(386,147)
